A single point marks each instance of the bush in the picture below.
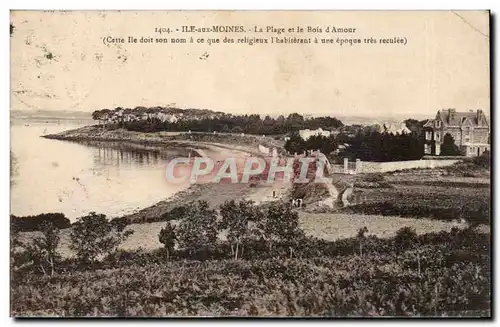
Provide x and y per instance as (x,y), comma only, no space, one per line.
(405,237)
(484,160)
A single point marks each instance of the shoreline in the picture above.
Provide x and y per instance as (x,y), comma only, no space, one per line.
(223,145)
(246,143)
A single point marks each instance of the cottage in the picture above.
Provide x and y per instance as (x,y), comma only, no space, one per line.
(469,129)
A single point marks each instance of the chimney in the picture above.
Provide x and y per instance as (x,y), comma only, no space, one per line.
(451,114)
(478,116)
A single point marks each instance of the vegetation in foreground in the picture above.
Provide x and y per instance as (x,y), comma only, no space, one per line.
(266,267)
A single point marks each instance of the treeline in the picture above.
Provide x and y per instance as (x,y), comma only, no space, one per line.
(36,223)
(296,144)
(382,147)
(372,146)
(248,124)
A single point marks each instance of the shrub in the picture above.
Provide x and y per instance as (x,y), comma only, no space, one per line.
(484,160)
(405,237)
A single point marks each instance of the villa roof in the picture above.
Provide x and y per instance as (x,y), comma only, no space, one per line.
(453,118)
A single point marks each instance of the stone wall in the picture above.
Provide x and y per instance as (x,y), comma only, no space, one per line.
(382,167)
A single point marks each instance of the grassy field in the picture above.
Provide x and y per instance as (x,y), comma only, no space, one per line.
(431,196)
(426,193)
(333,226)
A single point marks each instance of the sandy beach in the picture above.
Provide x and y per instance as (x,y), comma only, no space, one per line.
(219,146)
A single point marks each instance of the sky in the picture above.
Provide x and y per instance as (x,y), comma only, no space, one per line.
(60,62)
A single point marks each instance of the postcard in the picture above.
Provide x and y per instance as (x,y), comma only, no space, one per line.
(327,164)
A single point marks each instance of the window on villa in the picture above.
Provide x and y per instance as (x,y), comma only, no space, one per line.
(438,123)
(428,136)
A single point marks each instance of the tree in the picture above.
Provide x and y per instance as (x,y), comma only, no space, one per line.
(281,225)
(449,148)
(236,218)
(414,125)
(93,235)
(197,230)
(96,115)
(167,237)
(361,237)
(295,144)
(407,238)
(43,249)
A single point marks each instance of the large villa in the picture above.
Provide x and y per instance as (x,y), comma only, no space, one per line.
(470,130)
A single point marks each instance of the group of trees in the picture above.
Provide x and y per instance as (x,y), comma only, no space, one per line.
(296,144)
(91,237)
(368,143)
(381,147)
(243,222)
(373,146)
(210,121)
(38,222)
(249,124)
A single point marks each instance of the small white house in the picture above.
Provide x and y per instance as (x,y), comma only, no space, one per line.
(307,133)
